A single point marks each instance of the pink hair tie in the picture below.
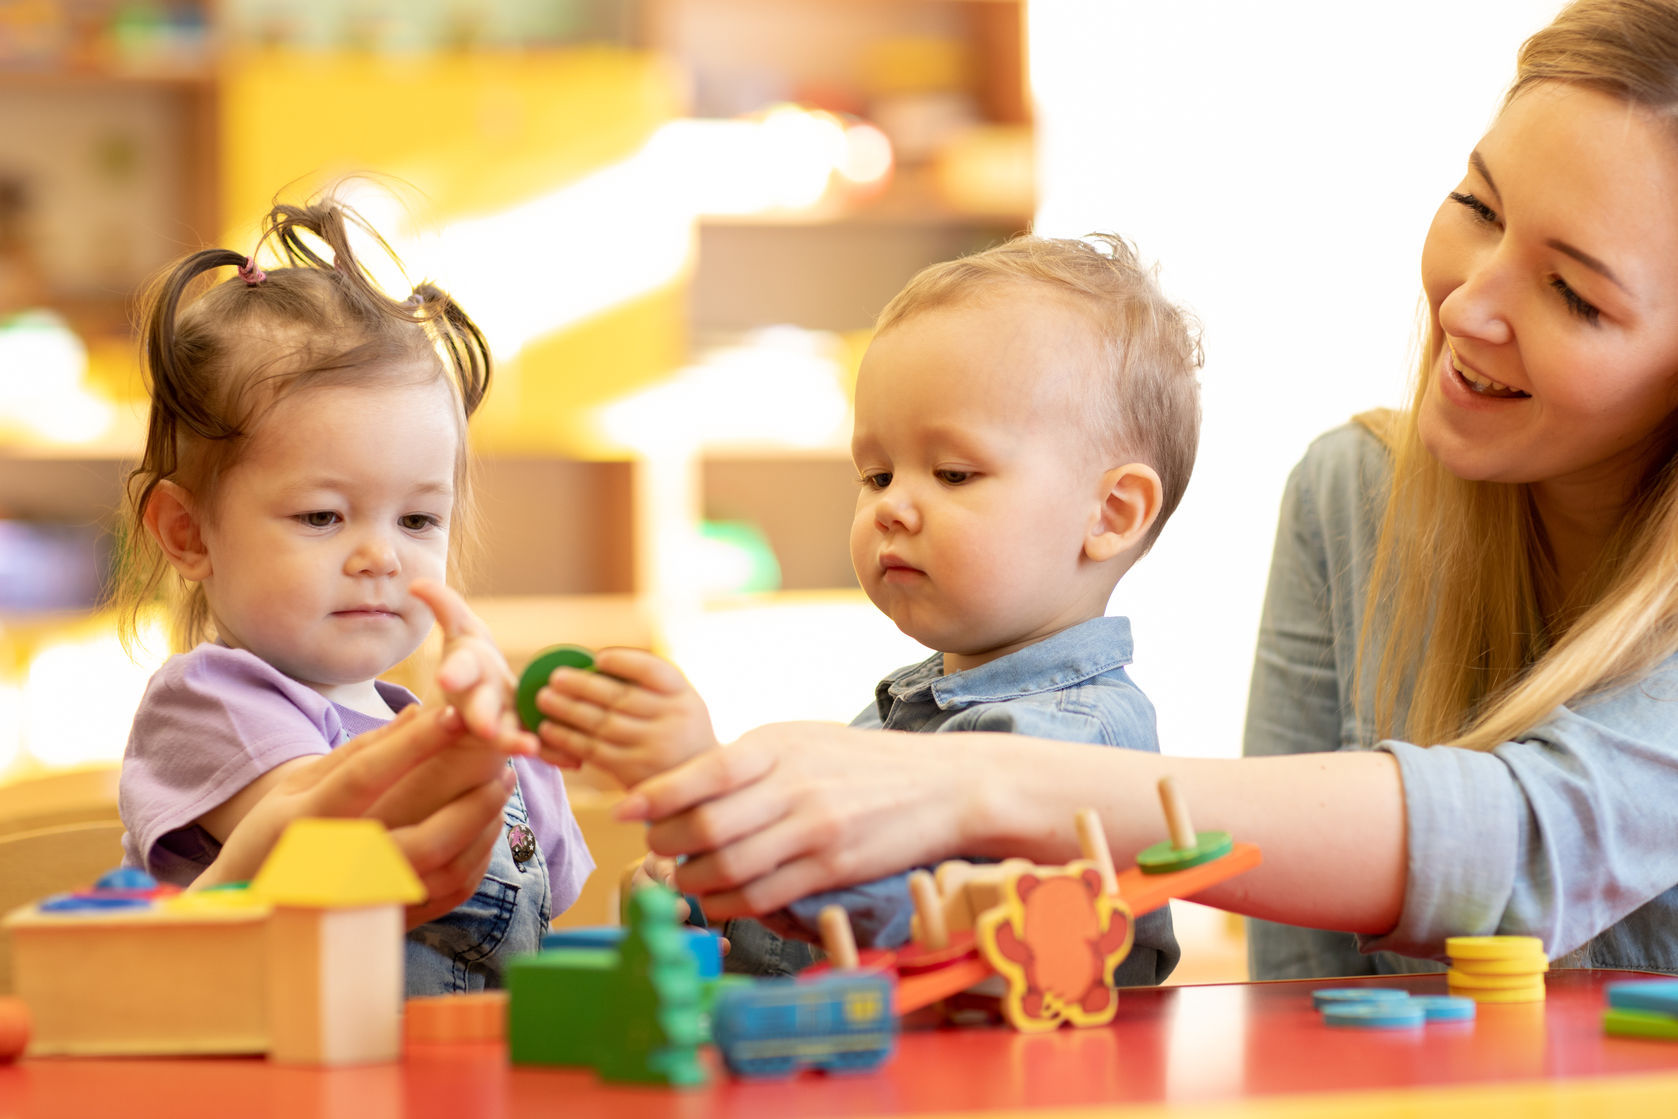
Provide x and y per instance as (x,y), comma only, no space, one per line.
(250,273)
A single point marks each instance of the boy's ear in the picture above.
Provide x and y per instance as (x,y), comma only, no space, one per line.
(172,520)
(1130,501)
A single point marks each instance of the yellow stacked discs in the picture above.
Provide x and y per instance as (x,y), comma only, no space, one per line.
(1497,968)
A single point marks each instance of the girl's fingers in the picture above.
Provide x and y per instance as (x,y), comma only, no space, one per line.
(446,845)
(357,773)
(454,617)
(461,669)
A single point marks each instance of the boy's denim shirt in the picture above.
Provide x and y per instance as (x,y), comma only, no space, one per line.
(1072,687)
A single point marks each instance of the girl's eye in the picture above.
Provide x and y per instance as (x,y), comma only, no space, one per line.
(879,480)
(1575,302)
(953,477)
(319,518)
(1480,210)
(419,522)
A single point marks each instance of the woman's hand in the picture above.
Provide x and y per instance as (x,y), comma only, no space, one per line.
(473,674)
(793,808)
(449,849)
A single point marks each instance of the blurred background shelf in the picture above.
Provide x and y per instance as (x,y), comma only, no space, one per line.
(675,220)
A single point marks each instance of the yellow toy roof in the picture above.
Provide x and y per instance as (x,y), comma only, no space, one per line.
(336,864)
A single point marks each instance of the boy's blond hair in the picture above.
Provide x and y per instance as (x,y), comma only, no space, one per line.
(1149,408)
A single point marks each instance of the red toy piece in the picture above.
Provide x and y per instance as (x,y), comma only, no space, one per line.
(14,1029)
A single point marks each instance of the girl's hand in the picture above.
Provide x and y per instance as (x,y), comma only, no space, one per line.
(473,675)
(636,715)
(449,849)
(793,808)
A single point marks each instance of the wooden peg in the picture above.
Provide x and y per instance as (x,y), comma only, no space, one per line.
(1092,841)
(929,910)
(1176,815)
(837,940)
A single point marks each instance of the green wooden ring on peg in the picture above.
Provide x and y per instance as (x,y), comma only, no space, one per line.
(536,674)
(1163,857)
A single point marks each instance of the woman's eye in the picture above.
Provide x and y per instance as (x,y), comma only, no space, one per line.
(320,518)
(1480,210)
(879,480)
(954,477)
(1575,302)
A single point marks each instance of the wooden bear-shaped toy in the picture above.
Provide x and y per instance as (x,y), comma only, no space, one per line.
(1056,938)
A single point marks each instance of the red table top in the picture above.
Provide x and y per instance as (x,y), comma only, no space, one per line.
(1252,1047)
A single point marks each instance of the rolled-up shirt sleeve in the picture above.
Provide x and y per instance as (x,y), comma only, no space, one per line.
(1562,835)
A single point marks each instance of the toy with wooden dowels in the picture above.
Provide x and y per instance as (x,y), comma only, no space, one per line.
(945,957)
(1186,847)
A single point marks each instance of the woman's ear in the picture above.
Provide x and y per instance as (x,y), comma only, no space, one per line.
(1130,500)
(172,520)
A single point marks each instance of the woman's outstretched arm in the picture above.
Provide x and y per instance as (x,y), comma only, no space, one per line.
(793,808)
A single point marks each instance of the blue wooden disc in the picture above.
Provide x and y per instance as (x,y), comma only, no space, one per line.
(1445,1008)
(1327,996)
(1381,1014)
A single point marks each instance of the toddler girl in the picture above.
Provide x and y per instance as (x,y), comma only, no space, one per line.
(302,482)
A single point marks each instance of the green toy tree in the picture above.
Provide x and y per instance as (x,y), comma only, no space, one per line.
(655,1021)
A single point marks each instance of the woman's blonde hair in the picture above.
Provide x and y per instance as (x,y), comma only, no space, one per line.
(216,360)
(1462,586)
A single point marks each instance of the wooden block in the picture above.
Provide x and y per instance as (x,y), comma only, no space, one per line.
(335,985)
(143,982)
(450,1019)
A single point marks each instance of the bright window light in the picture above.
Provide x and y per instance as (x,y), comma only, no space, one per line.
(632,222)
(59,679)
(1282,162)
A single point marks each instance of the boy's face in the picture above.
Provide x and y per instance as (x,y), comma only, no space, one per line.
(343,499)
(979,479)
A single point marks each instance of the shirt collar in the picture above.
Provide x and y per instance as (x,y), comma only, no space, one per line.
(1069,657)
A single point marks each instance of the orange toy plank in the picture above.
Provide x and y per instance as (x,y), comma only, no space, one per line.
(1145,893)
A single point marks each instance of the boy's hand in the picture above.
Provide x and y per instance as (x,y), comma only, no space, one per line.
(661,870)
(473,674)
(634,716)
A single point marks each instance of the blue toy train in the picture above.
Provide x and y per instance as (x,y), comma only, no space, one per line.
(837,1022)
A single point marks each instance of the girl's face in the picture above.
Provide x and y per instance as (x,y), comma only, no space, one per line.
(1551,274)
(343,499)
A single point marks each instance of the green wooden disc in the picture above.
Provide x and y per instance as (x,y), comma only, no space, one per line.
(1163,858)
(536,675)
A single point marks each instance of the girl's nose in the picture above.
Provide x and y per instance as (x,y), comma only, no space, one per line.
(374,554)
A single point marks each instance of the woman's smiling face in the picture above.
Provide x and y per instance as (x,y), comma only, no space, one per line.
(1551,274)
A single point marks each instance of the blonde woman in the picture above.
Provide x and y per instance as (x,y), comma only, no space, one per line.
(1464,716)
